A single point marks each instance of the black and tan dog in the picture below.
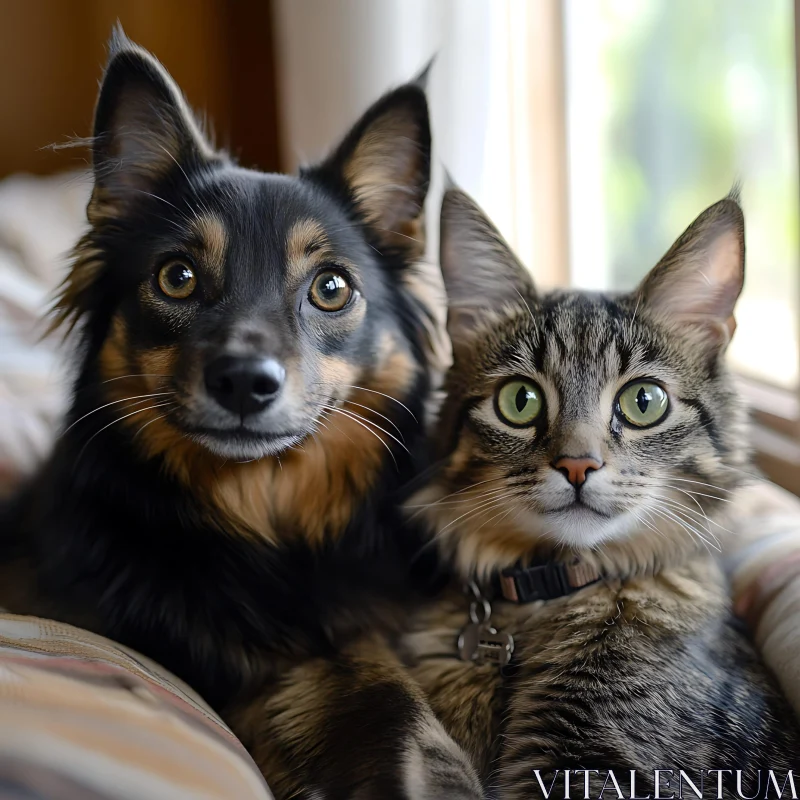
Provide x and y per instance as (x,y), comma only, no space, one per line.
(250,390)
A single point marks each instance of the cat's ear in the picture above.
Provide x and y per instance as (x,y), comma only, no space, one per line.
(143,128)
(700,278)
(481,273)
(382,166)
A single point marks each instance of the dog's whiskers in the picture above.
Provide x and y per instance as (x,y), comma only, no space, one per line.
(160,416)
(362,422)
(120,419)
(136,375)
(138,397)
(382,394)
(355,416)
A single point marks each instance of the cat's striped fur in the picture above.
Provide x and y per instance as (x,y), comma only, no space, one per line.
(647,668)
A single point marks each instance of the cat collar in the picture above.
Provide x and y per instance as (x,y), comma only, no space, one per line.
(480,641)
(545,581)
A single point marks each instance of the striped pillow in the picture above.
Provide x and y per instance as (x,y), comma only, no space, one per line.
(83,717)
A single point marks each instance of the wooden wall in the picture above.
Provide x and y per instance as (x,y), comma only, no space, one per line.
(52,51)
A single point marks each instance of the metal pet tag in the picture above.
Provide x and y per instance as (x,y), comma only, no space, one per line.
(483,644)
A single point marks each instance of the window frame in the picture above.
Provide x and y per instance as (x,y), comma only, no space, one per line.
(775,412)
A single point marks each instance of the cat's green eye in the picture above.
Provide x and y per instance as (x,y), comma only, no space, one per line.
(519,402)
(642,404)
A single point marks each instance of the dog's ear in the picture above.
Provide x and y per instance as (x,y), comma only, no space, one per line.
(143,129)
(382,167)
(144,135)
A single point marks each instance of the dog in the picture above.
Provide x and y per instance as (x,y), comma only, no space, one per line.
(249,395)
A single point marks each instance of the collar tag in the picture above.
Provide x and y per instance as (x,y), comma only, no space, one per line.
(480,641)
(545,581)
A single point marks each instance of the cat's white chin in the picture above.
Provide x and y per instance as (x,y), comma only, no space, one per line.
(581,527)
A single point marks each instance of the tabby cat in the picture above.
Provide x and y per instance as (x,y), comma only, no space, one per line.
(589,443)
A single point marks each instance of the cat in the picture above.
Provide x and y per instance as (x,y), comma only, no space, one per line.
(587,446)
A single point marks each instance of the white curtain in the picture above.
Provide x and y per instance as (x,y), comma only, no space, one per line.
(336,56)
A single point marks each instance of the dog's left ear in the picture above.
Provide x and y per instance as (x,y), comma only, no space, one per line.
(382,166)
(143,129)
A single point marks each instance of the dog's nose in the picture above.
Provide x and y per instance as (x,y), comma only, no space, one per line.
(244,385)
(575,470)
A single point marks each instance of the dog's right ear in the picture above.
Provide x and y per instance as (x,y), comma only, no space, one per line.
(143,129)
(382,166)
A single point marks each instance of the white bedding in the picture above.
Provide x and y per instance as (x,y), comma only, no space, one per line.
(40,220)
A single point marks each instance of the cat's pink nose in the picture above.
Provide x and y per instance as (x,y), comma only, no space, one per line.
(576,469)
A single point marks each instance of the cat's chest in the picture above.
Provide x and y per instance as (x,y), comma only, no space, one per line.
(675,601)
(592,629)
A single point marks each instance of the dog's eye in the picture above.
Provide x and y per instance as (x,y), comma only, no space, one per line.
(177,280)
(330,291)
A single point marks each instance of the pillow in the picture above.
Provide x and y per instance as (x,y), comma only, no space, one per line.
(83,717)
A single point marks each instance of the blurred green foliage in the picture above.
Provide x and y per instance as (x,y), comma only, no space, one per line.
(700,93)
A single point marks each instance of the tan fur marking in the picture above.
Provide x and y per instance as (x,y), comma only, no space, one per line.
(397,369)
(311,491)
(337,371)
(306,247)
(159,361)
(113,361)
(214,237)
(134,384)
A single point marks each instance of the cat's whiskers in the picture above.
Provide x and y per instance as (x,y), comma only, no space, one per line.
(704,520)
(663,509)
(708,519)
(491,519)
(673,520)
(460,501)
(443,500)
(485,505)
(642,521)
(692,480)
(692,495)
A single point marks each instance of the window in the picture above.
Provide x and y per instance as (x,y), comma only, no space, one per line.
(616,122)
(668,102)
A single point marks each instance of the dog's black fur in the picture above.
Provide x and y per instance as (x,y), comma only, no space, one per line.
(146,529)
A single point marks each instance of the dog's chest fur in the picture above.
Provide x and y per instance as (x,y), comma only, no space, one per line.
(135,559)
